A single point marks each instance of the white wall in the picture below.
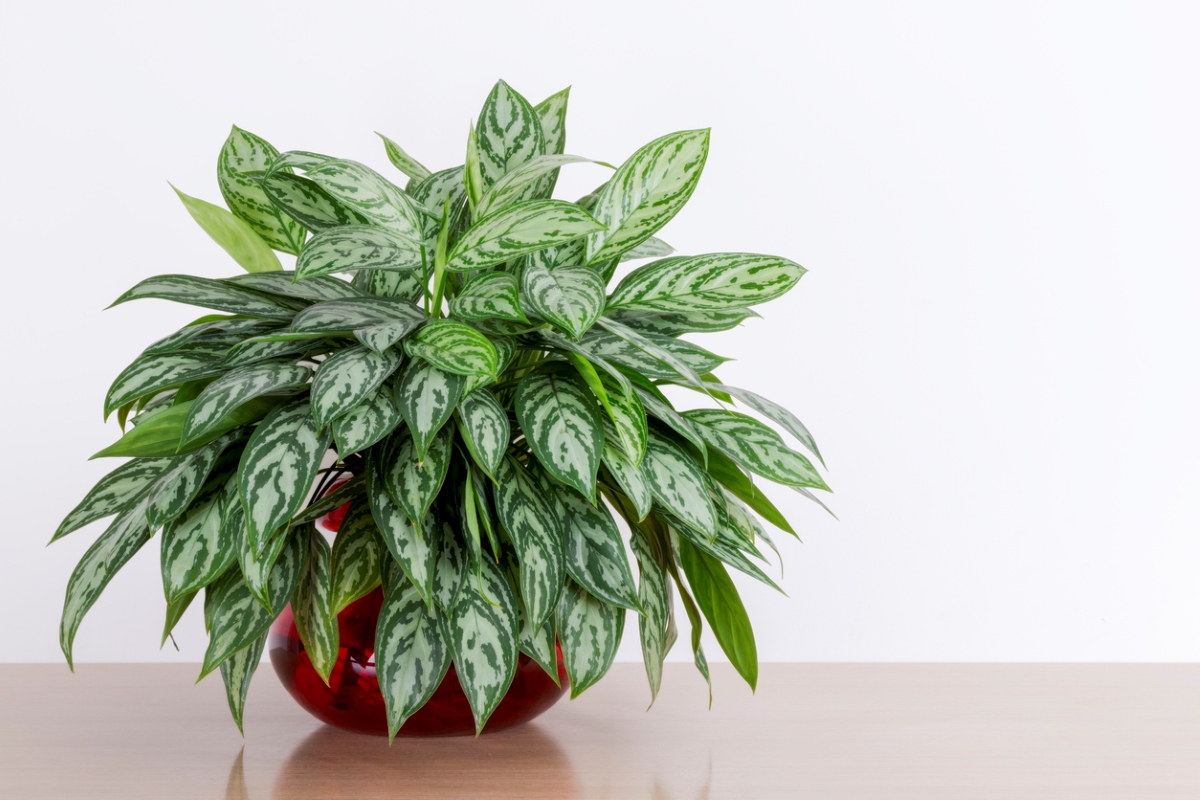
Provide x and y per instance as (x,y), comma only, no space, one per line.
(996,345)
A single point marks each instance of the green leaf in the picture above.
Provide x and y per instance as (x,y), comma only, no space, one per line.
(356,552)
(174,614)
(153,373)
(519,229)
(312,609)
(629,478)
(196,547)
(539,642)
(473,173)
(654,597)
(377,322)
(729,475)
(284,284)
(413,548)
(509,133)
(410,656)
(590,631)
(347,378)
(552,113)
(114,493)
(214,334)
(370,195)
(256,567)
(236,672)
(426,397)
(208,293)
(434,191)
(483,640)
(716,281)
(411,481)
(594,554)
(655,356)
(534,531)
(628,418)
(354,247)
(666,323)
(486,516)
(451,571)
(485,428)
(236,387)
(570,297)
(124,537)
(236,236)
(718,599)
(254,351)
(651,248)
(242,156)
(646,191)
(305,201)
(677,482)
(522,183)
(453,347)
(366,423)
(777,414)
(657,407)
(182,481)
(755,447)
(278,468)
(693,613)
(159,435)
(403,161)
(562,427)
(404,284)
(489,295)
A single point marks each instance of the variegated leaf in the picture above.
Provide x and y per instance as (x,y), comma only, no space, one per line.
(234,235)
(594,554)
(411,657)
(115,492)
(412,481)
(426,397)
(377,322)
(256,567)
(716,281)
(590,631)
(519,229)
(451,571)
(472,530)
(552,113)
(196,546)
(628,417)
(402,161)
(473,173)
(724,548)
(487,517)
(235,388)
(236,617)
(356,552)
(286,284)
(244,153)
(178,486)
(654,595)
(509,133)
(562,426)
(646,191)
(755,447)
(356,247)
(651,248)
(485,428)
(522,183)
(658,407)
(570,297)
(453,347)
(305,201)
(559,342)
(312,609)
(538,642)
(211,336)
(124,537)
(678,483)
(776,413)
(366,423)
(358,187)
(655,356)
(483,640)
(345,493)
(413,548)
(434,191)
(208,293)
(278,468)
(405,284)
(534,530)
(255,351)
(236,672)
(505,350)
(489,295)
(347,378)
(629,478)
(153,373)
(666,323)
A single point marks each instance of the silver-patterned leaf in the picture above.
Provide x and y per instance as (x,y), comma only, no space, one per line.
(413,482)
(236,387)
(236,672)
(473,173)
(483,640)
(519,229)
(178,486)
(426,397)
(303,200)
(196,546)
(451,571)
(402,161)
(356,552)
(377,322)
(538,642)
(150,373)
(485,428)
(534,530)
(646,191)
(658,407)
(648,357)
(776,413)
(434,191)
(559,342)
(255,351)
(356,247)
(654,595)
(562,426)
(629,478)
(755,447)
(509,133)
(405,284)
(371,196)
(552,113)
(522,183)
(715,281)
(285,284)
(413,548)
(678,483)
(489,295)
(233,234)
(628,417)
(411,657)
(724,548)
(347,378)
(590,631)
(245,153)
(651,248)
(114,493)
(366,423)
(570,297)
(209,337)
(594,554)
(312,610)
(453,347)
(209,293)
(256,567)
(278,468)
(668,323)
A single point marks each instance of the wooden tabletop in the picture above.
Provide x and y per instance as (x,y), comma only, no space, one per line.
(813,730)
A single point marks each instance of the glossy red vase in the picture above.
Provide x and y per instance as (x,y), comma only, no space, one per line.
(352,699)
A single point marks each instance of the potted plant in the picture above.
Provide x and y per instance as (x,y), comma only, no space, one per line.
(486,405)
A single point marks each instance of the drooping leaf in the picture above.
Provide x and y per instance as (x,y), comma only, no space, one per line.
(114,493)
(716,281)
(628,418)
(242,156)
(236,672)
(413,548)
(451,571)
(285,284)
(377,322)
(722,606)
(151,373)
(594,554)
(656,356)
(356,551)
(453,347)
(366,423)
(677,482)
(208,293)
(646,191)
(235,236)
(355,247)
(412,481)
(654,597)
(562,426)
(312,608)
(533,528)
(403,161)
(777,414)
(219,332)
(347,492)
(196,547)
(236,387)
(629,478)
(174,614)
(347,378)
(658,407)
(589,630)
(523,183)
(570,297)
(485,428)
(755,447)
(180,483)
(489,295)
(509,132)
(519,229)
(160,435)
(410,655)
(254,351)
(426,397)
(670,323)
(256,567)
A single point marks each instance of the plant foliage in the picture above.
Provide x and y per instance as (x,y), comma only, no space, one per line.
(456,344)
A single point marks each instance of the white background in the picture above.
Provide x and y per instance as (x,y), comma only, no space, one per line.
(995,345)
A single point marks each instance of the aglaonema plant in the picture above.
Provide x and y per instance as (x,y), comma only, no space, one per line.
(496,404)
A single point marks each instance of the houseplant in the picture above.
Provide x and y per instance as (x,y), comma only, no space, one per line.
(492,406)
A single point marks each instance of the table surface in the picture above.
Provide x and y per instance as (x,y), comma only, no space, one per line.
(813,730)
